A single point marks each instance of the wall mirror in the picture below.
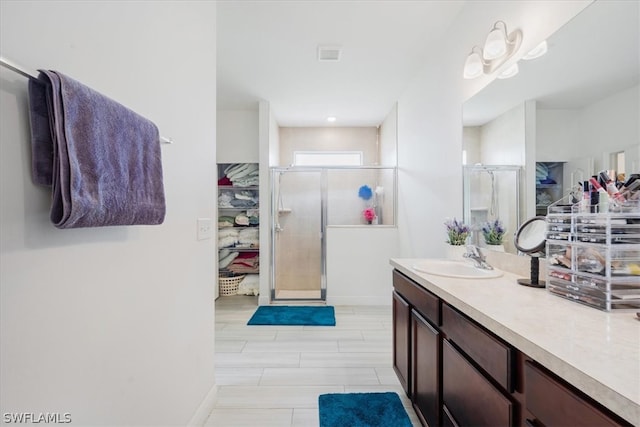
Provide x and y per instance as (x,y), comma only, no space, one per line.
(567,114)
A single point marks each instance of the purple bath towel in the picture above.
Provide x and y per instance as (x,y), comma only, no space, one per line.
(101,159)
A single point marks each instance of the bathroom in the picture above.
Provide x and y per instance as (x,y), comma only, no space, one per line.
(59,331)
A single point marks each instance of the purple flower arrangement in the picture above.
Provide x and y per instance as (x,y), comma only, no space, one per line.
(457,232)
(493,232)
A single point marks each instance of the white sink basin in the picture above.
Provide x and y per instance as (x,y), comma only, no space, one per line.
(454,268)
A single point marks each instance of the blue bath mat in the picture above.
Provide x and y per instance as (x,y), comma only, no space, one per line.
(297,315)
(362,410)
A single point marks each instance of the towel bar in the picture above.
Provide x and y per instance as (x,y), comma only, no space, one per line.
(31,75)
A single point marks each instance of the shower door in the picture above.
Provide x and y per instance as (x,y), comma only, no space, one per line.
(298,224)
(492,192)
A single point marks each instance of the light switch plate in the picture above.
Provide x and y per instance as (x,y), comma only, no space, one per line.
(205,229)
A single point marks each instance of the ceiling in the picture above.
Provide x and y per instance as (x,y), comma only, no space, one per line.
(267,50)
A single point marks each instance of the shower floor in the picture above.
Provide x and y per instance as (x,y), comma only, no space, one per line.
(295,294)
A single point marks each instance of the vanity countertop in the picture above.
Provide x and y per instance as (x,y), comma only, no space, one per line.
(595,351)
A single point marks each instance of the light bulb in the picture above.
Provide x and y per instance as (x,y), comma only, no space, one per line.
(496,44)
(537,51)
(473,66)
(509,72)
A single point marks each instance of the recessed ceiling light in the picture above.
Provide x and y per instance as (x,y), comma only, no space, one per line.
(331,119)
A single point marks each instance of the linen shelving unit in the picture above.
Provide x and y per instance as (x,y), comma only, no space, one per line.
(238,228)
(594,257)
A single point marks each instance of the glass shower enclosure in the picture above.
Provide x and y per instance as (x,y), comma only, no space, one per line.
(299,213)
(492,192)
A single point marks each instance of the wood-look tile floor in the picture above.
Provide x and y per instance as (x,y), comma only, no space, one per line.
(272,375)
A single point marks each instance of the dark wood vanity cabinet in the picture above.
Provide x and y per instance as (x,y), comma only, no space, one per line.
(457,373)
(418,365)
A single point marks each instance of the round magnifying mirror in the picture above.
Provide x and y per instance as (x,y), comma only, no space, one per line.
(530,239)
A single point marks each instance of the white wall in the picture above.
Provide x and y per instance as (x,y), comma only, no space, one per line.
(388,139)
(269,151)
(358,271)
(502,140)
(237,136)
(112,325)
(610,125)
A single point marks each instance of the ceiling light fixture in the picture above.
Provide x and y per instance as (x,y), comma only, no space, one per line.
(499,46)
(537,51)
(331,119)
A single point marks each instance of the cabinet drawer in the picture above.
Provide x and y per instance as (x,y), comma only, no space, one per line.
(426,303)
(469,398)
(554,404)
(491,354)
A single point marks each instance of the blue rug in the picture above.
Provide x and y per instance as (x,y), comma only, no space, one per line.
(296,315)
(362,410)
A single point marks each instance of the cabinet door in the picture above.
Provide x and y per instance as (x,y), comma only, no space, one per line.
(425,368)
(401,340)
(468,396)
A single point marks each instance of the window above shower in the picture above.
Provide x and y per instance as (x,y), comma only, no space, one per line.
(327,158)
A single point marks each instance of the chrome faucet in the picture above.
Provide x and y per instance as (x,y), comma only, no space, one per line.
(475,254)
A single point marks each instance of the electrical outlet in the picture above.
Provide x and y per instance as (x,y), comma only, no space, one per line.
(205,229)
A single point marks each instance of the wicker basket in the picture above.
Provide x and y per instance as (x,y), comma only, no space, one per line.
(229,285)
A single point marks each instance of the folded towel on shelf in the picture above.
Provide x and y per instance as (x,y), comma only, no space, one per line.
(225,261)
(247,195)
(224,181)
(237,203)
(102,160)
(254,216)
(225,198)
(250,180)
(247,262)
(240,170)
(249,237)
(227,237)
(241,219)
(225,221)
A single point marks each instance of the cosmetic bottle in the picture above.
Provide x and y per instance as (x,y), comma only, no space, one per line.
(586,198)
(612,190)
(595,196)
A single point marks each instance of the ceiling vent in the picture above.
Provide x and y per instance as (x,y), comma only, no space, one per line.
(329,53)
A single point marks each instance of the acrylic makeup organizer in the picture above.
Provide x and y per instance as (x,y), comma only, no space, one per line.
(593,257)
